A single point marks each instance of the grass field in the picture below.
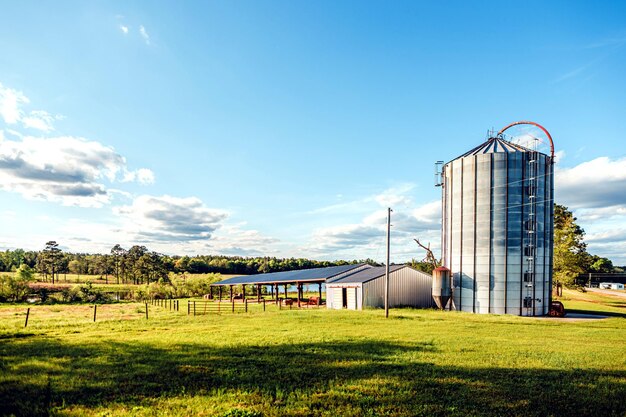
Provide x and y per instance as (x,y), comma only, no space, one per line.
(313,362)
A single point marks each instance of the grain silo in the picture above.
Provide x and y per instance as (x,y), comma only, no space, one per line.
(497,226)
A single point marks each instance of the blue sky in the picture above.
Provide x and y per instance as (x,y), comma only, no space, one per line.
(286,128)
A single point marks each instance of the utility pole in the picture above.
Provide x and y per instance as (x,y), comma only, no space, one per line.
(387,264)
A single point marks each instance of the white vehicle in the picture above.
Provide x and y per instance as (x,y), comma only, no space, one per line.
(611,286)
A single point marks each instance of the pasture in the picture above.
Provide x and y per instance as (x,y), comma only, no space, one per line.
(309,362)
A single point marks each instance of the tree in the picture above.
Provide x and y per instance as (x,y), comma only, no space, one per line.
(118,253)
(134,262)
(103,266)
(51,258)
(74,267)
(570,252)
(600,265)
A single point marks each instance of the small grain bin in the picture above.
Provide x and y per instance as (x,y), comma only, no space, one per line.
(441,286)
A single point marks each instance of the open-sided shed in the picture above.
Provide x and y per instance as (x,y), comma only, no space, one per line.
(365,288)
(285,279)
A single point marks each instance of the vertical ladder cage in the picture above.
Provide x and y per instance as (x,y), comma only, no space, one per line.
(530,235)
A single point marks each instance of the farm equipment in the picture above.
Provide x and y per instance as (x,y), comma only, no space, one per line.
(556,309)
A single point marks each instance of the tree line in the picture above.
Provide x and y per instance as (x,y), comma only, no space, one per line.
(139,265)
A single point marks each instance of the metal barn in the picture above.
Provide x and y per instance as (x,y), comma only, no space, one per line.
(408,287)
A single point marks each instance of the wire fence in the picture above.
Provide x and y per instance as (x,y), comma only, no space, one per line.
(68,314)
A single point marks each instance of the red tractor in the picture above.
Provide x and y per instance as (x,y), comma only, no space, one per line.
(556,309)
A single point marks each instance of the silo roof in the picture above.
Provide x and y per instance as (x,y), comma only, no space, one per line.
(495,145)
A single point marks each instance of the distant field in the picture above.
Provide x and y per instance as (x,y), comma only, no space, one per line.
(593,302)
(315,362)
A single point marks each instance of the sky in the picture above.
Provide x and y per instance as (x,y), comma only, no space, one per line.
(286,128)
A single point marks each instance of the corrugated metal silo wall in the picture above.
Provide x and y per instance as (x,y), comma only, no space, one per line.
(487,210)
(407,287)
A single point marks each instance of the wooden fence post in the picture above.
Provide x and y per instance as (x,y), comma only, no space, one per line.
(95,308)
(233,308)
(264,304)
(246,303)
(188,307)
(194,308)
(146,311)
(27,314)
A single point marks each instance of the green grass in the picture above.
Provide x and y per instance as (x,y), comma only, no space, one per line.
(592,302)
(307,362)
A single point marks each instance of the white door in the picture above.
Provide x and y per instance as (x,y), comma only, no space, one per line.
(351,302)
(337,298)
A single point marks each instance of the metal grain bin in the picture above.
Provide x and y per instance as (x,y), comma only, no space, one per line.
(441,286)
(497,228)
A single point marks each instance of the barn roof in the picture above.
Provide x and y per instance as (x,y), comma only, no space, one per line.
(301,275)
(369,274)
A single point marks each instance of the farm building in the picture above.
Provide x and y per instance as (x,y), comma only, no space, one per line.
(277,281)
(347,286)
(366,288)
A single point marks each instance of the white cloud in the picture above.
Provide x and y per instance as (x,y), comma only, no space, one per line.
(367,238)
(235,240)
(559,156)
(166,218)
(10,102)
(124,29)
(395,196)
(40,120)
(144,34)
(142,175)
(63,169)
(593,184)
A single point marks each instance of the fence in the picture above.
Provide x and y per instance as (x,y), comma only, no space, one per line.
(169,303)
(197,308)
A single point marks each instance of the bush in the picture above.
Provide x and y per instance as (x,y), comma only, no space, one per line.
(187,286)
(84,293)
(15,287)
(159,289)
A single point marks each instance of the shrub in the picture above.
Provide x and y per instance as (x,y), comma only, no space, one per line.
(84,293)
(15,287)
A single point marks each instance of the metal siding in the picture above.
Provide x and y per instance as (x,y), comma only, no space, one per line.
(407,287)
(485,252)
(337,301)
(351,298)
(374,293)
(329,297)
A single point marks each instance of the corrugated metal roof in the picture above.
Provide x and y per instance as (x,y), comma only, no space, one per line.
(302,275)
(369,274)
(495,145)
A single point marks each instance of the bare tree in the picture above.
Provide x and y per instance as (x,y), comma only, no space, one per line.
(430,256)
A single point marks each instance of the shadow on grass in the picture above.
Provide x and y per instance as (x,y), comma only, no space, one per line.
(358,378)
